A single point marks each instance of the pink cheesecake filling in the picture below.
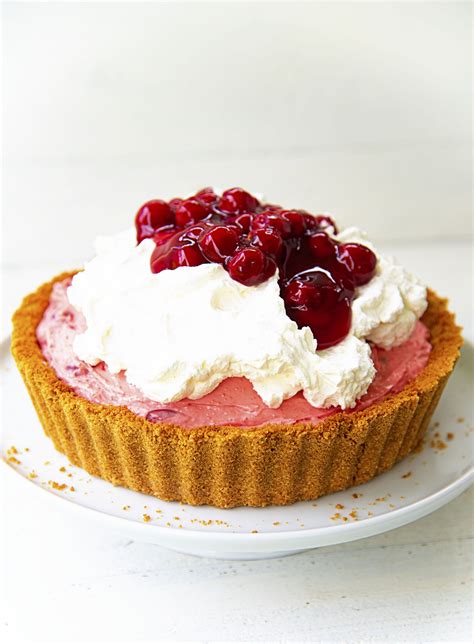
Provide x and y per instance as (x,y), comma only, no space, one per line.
(233,402)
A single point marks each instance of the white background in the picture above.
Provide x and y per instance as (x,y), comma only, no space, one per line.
(362,109)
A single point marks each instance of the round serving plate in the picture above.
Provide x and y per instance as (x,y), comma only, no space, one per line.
(420,484)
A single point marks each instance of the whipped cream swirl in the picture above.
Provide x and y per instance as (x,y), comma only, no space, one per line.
(178,334)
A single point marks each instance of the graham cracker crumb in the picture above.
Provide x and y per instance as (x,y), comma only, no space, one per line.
(15,461)
(406,475)
(146,518)
(57,486)
(276,523)
(460,420)
(449,436)
(356,495)
(125,507)
(339,506)
(72,488)
(32,475)
(12,450)
(62,469)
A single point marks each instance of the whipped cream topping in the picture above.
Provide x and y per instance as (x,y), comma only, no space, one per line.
(385,309)
(178,334)
(233,402)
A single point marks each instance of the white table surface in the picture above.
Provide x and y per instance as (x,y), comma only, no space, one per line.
(75,581)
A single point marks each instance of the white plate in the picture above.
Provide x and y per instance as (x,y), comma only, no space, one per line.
(420,484)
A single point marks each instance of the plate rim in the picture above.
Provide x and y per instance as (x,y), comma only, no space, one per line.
(348,531)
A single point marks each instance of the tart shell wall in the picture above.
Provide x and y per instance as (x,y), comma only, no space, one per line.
(228,466)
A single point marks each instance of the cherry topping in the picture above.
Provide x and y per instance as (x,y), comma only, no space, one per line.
(179,249)
(296,220)
(252,241)
(151,216)
(190,211)
(248,266)
(187,256)
(269,269)
(316,300)
(322,246)
(269,219)
(359,260)
(237,201)
(219,243)
(243,221)
(174,203)
(194,232)
(206,195)
(269,241)
(163,235)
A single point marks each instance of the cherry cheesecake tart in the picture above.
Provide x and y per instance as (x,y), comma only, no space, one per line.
(227,351)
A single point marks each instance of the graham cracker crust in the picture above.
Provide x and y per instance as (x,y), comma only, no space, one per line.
(227,466)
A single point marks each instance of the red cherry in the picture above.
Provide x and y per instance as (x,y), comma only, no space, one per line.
(316,300)
(237,201)
(151,216)
(243,221)
(187,256)
(269,241)
(273,207)
(193,233)
(179,249)
(174,203)
(360,261)
(189,212)
(162,236)
(206,195)
(160,261)
(218,243)
(269,219)
(269,268)
(248,266)
(296,220)
(321,245)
